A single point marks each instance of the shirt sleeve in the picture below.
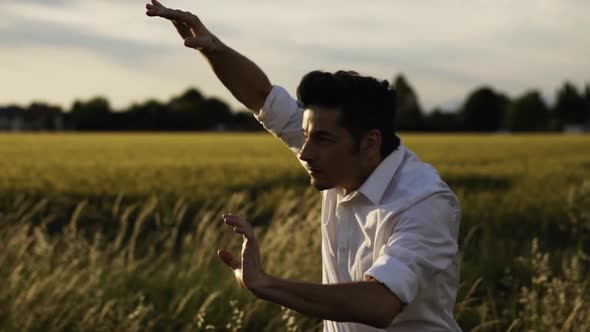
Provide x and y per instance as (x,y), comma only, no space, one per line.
(423,243)
(281,116)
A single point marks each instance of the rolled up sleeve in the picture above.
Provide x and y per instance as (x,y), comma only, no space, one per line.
(423,243)
(281,116)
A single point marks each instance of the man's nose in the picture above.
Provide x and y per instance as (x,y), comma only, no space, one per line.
(306,153)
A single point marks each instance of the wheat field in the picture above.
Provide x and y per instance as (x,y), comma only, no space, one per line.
(119,232)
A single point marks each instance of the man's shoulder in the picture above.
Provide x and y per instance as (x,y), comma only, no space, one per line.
(413,182)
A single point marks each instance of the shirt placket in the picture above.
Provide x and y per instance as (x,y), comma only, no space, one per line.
(342,239)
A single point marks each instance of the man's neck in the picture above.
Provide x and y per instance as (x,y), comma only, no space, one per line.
(358,182)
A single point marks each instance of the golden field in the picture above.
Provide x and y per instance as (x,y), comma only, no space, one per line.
(119,231)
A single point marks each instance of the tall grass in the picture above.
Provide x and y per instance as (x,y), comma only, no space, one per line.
(159,272)
(149,275)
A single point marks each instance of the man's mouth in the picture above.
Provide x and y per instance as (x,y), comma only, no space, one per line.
(313,171)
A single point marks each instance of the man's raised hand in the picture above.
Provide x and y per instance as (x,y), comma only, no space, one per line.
(248,270)
(189,26)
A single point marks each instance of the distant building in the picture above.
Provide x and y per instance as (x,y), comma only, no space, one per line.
(38,117)
(577,128)
(11,119)
(220,127)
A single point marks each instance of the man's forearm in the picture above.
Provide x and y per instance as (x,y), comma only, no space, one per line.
(359,302)
(242,77)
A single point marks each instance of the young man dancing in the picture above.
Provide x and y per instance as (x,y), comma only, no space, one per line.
(389,223)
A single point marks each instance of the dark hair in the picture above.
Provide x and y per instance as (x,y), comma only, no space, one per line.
(365,103)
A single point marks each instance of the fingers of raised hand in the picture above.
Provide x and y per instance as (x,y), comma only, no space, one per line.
(228,259)
(172,14)
(239,224)
(155,4)
(153,10)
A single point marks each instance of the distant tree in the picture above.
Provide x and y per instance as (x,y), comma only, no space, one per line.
(244,121)
(94,114)
(184,111)
(439,121)
(587,103)
(408,111)
(151,115)
(570,106)
(213,113)
(484,110)
(527,113)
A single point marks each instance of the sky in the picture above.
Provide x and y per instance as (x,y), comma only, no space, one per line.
(57,51)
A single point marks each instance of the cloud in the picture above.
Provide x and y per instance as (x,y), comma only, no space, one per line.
(49,35)
(52,3)
(59,76)
(445,48)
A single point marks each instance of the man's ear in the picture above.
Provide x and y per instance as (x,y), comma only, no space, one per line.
(371,143)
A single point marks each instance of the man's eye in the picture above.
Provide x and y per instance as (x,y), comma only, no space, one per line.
(323,139)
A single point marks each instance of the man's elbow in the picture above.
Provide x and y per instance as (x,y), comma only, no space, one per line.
(254,100)
(383,317)
(384,320)
(387,308)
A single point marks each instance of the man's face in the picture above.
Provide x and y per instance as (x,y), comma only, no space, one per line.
(330,153)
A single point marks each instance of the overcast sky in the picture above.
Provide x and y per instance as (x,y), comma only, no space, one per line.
(61,50)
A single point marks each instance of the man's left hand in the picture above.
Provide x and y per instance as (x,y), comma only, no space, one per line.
(248,271)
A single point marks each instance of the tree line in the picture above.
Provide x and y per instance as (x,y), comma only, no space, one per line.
(190,111)
(488,110)
(484,110)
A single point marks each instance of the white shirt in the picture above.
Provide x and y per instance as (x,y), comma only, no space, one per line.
(400,227)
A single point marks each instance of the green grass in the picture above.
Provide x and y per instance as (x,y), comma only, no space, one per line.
(119,231)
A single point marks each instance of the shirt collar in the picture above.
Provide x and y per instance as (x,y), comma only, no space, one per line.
(375,185)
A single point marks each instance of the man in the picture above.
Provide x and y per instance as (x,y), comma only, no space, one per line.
(389,223)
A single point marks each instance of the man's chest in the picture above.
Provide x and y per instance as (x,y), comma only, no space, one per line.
(353,237)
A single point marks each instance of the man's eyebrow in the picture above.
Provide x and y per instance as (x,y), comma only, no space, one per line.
(318,133)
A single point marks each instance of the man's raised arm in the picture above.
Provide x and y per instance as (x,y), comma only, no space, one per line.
(242,77)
